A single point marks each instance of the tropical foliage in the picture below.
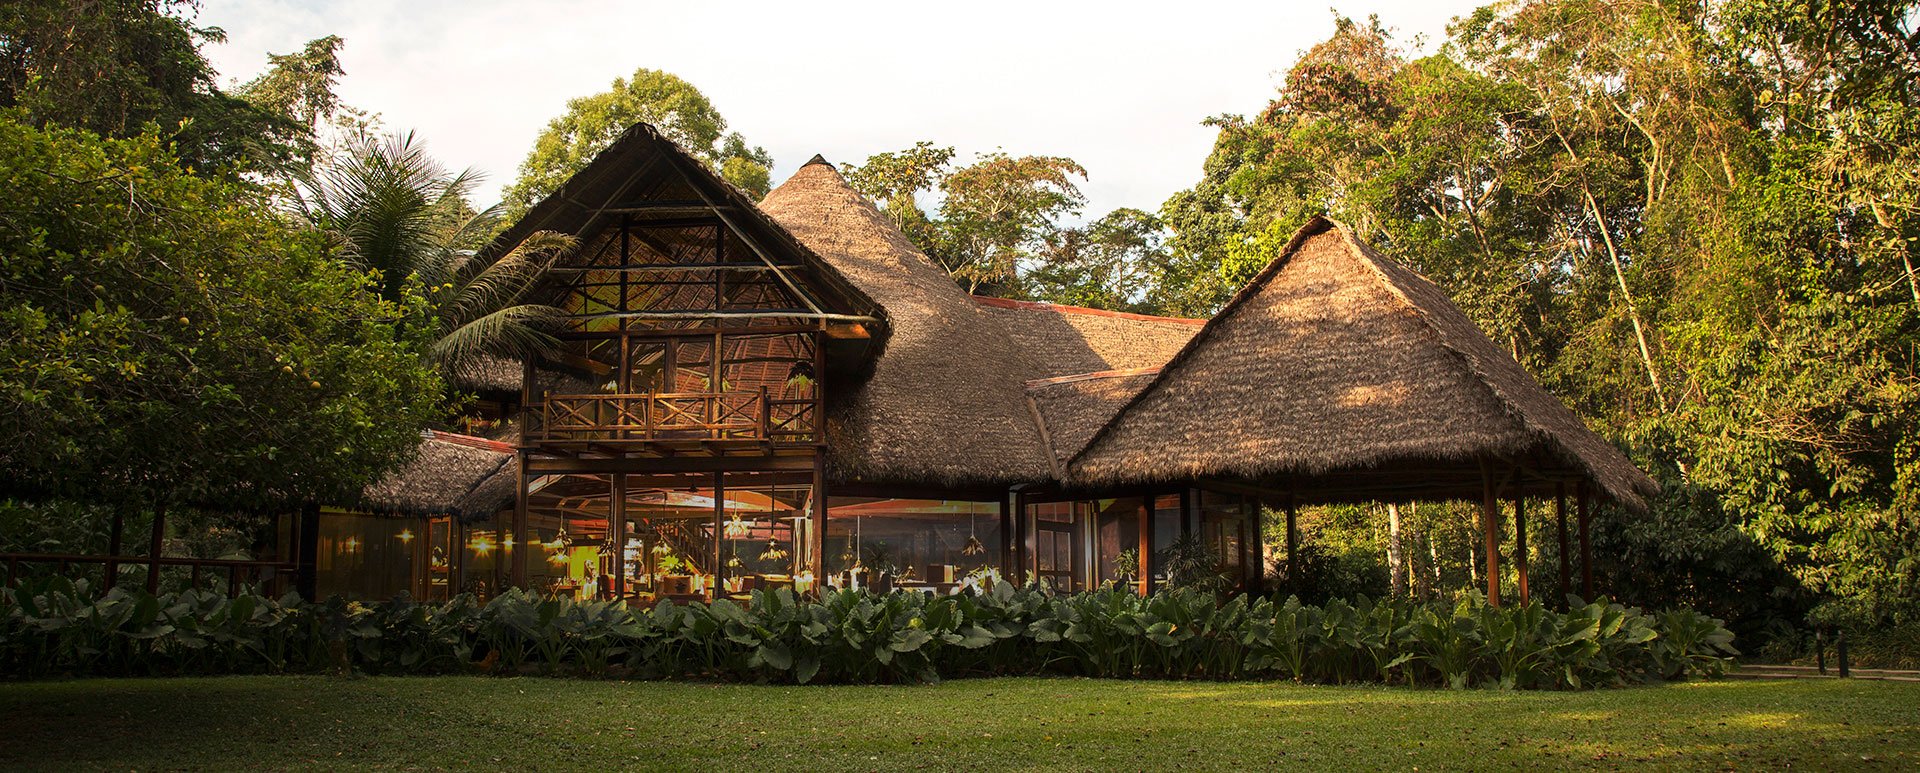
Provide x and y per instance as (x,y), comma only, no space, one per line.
(56,628)
(388,208)
(166,340)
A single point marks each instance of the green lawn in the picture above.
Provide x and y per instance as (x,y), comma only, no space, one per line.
(544,724)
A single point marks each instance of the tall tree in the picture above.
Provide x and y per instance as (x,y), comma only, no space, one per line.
(116,66)
(662,99)
(995,215)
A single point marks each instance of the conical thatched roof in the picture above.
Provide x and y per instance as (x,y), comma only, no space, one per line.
(458,475)
(1337,364)
(944,402)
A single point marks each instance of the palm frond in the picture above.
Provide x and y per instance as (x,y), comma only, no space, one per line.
(515,332)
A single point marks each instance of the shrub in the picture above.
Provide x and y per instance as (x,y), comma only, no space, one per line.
(54,627)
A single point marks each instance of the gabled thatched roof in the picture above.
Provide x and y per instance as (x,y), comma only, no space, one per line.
(1067,340)
(1071,409)
(641,165)
(458,475)
(944,402)
(1336,360)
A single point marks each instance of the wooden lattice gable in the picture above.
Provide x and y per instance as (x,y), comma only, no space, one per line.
(665,241)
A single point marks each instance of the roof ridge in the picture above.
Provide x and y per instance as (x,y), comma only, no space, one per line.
(470,441)
(1009,303)
(1098,374)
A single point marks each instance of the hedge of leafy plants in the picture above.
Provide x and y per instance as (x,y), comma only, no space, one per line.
(56,628)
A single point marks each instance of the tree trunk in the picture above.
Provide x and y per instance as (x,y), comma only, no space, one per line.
(1396,557)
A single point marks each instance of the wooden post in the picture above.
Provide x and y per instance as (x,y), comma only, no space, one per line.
(154,547)
(719,534)
(1022,549)
(1293,545)
(1586,545)
(1560,514)
(1007,549)
(1145,569)
(1520,542)
(617,514)
(113,548)
(306,554)
(1490,533)
(517,569)
(817,561)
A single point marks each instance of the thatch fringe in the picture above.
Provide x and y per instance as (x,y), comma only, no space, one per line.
(459,475)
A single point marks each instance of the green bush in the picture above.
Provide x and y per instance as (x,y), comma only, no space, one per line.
(54,627)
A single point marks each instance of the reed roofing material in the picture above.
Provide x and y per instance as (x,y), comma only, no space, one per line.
(458,475)
(944,402)
(1072,408)
(1065,340)
(1334,359)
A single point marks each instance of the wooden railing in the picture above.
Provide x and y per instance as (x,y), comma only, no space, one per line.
(237,571)
(749,416)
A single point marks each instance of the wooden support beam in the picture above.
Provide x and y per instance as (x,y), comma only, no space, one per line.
(113,548)
(817,561)
(155,547)
(1490,533)
(1520,545)
(1293,544)
(617,532)
(307,554)
(719,534)
(516,555)
(1146,546)
(1560,515)
(1586,545)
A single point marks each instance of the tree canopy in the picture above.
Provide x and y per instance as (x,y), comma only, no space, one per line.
(669,104)
(167,339)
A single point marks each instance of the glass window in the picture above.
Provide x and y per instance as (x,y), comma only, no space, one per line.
(915,544)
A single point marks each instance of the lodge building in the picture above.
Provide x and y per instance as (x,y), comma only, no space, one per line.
(789,394)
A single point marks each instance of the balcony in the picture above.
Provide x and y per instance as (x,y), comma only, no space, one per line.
(716,422)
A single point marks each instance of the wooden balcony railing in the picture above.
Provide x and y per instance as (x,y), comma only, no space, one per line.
(639,418)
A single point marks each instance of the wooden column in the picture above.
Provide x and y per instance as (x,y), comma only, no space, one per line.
(1022,550)
(517,531)
(1520,542)
(719,534)
(817,546)
(1005,553)
(617,530)
(1586,546)
(1293,545)
(113,548)
(154,547)
(1145,569)
(1560,515)
(307,554)
(1490,533)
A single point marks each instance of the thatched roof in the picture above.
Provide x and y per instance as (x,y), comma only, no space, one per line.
(1071,409)
(1336,363)
(1067,340)
(458,475)
(944,402)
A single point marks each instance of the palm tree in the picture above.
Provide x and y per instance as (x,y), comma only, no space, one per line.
(389,208)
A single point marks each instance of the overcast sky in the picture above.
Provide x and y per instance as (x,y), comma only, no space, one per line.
(1120,88)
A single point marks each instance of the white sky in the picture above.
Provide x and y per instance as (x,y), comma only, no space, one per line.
(1119,87)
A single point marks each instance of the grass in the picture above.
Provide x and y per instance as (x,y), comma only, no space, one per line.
(545,724)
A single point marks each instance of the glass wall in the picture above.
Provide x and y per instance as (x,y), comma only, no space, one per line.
(369,557)
(934,545)
(1226,527)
